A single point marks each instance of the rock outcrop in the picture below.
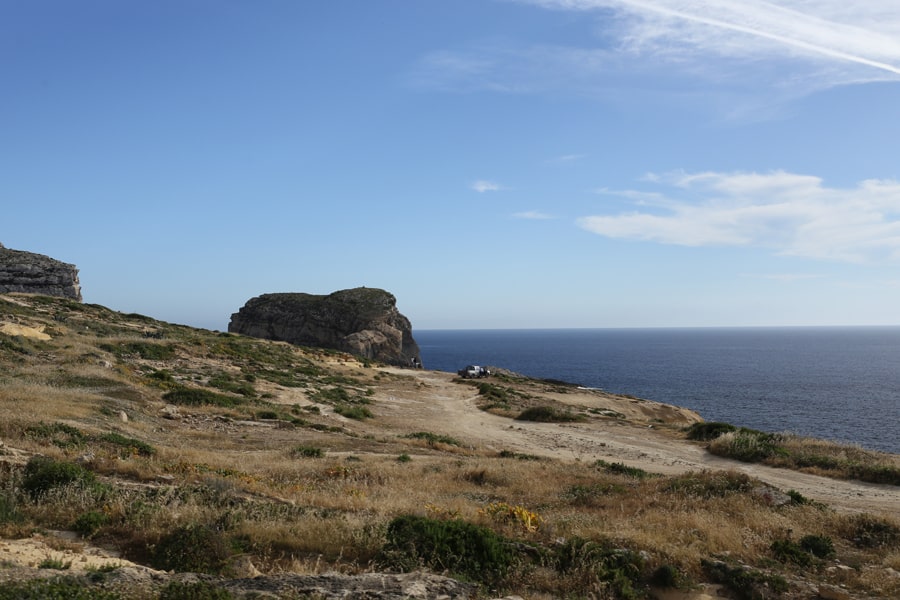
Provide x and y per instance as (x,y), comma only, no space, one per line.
(37,274)
(361,321)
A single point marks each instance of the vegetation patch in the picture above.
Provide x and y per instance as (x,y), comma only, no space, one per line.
(744,582)
(708,431)
(199,397)
(623,469)
(129,445)
(473,552)
(307,452)
(192,548)
(710,484)
(805,454)
(62,588)
(42,474)
(548,414)
(433,439)
(144,350)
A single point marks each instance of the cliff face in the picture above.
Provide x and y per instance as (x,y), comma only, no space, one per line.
(37,274)
(361,321)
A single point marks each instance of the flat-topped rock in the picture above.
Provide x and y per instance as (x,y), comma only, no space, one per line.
(361,321)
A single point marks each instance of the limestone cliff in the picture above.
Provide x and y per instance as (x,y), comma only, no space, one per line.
(37,274)
(361,321)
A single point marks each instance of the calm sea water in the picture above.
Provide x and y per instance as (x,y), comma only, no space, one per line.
(841,384)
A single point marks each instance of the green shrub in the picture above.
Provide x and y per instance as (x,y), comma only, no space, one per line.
(192,548)
(789,551)
(198,590)
(708,431)
(623,469)
(463,549)
(867,531)
(9,510)
(593,563)
(266,414)
(199,397)
(710,484)
(43,474)
(668,576)
(56,588)
(59,434)
(433,438)
(819,546)
(307,452)
(87,524)
(55,564)
(547,414)
(353,412)
(746,445)
(130,445)
(743,582)
(404,458)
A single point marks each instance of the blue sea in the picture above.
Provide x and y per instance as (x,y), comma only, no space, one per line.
(835,383)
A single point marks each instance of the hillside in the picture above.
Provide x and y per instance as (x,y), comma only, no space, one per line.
(137,453)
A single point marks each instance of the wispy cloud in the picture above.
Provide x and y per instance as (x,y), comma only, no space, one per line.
(788,213)
(532,215)
(482,185)
(783,277)
(793,48)
(567,158)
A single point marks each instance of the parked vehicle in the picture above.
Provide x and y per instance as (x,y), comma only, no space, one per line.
(473,371)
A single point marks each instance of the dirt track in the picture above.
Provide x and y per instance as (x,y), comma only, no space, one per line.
(451,409)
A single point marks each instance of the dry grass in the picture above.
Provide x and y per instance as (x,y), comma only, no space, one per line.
(225,469)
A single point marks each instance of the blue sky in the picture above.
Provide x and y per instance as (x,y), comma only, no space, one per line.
(493,163)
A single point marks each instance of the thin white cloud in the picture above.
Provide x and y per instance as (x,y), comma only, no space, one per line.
(783,277)
(788,213)
(567,158)
(532,215)
(753,52)
(482,185)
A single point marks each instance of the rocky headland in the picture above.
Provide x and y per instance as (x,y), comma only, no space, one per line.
(362,321)
(31,273)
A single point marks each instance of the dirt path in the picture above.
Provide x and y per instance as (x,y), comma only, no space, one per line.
(450,409)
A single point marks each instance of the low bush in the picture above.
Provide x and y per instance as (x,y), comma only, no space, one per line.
(192,548)
(433,438)
(744,582)
(867,531)
(130,445)
(746,445)
(789,551)
(547,414)
(597,565)
(87,524)
(43,474)
(307,452)
(819,546)
(710,484)
(60,435)
(623,469)
(353,412)
(61,588)
(708,431)
(197,590)
(463,549)
(200,397)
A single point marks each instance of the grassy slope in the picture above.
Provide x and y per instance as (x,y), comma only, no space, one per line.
(237,446)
